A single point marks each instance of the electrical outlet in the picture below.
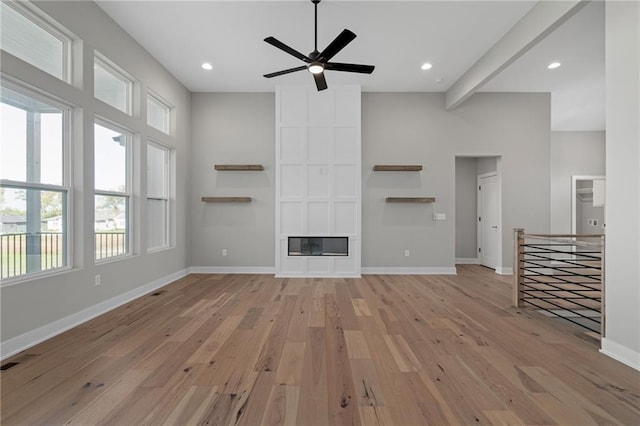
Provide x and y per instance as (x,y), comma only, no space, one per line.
(406,253)
(224,252)
(97,280)
(439,216)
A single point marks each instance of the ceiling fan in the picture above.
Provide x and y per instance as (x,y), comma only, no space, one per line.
(318,62)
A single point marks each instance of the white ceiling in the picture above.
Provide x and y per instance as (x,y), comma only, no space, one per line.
(395,36)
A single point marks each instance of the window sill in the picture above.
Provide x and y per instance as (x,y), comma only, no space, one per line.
(159,249)
(113,259)
(8,282)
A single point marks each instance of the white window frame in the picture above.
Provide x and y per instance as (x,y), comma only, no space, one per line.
(46,23)
(65,188)
(128,193)
(117,72)
(168,196)
(168,112)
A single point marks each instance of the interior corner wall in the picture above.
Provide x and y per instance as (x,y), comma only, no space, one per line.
(40,307)
(232,128)
(466,207)
(572,154)
(415,128)
(622,207)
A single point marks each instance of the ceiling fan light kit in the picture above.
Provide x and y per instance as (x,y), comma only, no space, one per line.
(317,61)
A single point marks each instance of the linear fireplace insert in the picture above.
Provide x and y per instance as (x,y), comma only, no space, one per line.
(318,246)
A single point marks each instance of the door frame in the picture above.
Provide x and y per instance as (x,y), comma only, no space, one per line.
(498,175)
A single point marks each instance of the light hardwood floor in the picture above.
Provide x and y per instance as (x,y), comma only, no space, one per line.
(252,349)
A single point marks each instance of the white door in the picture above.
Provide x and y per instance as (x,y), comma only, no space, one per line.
(488,221)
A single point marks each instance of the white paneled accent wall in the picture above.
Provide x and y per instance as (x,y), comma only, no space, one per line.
(318,177)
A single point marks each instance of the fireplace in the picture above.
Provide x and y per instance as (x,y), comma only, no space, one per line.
(318,246)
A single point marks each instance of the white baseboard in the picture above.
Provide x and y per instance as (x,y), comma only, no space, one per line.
(436,270)
(312,275)
(467,261)
(232,270)
(620,353)
(500,270)
(33,337)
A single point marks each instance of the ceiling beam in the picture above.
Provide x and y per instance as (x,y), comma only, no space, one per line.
(538,23)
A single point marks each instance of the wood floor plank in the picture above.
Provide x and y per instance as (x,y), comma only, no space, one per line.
(502,418)
(192,406)
(282,407)
(114,395)
(367,383)
(356,345)
(250,349)
(290,368)
(341,393)
(255,402)
(313,402)
(562,392)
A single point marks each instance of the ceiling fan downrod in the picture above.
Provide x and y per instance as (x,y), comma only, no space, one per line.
(315,26)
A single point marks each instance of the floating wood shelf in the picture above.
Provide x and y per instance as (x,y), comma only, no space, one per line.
(397,168)
(411,200)
(230,167)
(226,199)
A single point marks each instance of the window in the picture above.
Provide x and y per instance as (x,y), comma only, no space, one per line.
(158,114)
(33,40)
(158,190)
(112,190)
(112,85)
(34,191)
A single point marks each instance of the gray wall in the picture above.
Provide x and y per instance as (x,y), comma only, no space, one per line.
(233,128)
(397,128)
(415,128)
(572,154)
(466,207)
(28,305)
(622,207)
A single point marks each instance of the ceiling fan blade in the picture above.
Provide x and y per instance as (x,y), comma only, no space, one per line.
(290,70)
(280,45)
(362,69)
(344,38)
(321,82)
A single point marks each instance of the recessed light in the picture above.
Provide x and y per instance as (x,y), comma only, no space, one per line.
(426,66)
(554,65)
(207,66)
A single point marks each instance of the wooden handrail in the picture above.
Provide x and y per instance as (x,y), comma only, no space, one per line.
(565,235)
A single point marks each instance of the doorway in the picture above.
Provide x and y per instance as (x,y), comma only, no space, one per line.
(473,244)
(587,205)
